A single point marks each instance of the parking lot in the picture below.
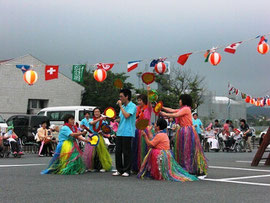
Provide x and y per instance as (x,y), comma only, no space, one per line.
(230,179)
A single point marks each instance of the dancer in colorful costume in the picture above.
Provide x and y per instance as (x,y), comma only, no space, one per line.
(139,146)
(187,149)
(159,162)
(97,158)
(67,159)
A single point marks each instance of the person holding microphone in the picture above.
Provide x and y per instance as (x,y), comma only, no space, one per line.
(125,133)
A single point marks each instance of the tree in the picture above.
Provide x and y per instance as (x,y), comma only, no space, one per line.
(179,82)
(102,94)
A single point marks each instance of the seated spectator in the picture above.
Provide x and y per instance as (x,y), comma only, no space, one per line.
(217,124)
(44,135)
(13,140)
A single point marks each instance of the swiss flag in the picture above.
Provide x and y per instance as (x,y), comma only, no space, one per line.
(105,66)
(51,72)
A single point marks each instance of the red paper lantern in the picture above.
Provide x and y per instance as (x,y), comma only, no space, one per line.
(247,99)
(30,77)
(160,67)
(263,48)
(100,75)
(268,102)
(214,58)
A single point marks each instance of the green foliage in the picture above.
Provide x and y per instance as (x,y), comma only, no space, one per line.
(102,94)
(180,82)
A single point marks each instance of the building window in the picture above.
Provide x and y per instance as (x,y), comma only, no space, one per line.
(34,103)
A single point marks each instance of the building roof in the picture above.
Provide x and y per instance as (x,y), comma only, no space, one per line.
(224,100)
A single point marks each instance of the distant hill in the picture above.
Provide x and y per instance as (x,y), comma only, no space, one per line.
(258,111)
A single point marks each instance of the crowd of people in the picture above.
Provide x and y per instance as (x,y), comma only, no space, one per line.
(155,152)
(170,149)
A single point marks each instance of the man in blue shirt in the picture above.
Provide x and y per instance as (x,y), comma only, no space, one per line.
(197,123)
(125,133)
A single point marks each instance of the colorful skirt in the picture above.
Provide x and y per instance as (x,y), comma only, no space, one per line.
(139,150)
(160,165)
(97,157)
(188,151)
(67,160)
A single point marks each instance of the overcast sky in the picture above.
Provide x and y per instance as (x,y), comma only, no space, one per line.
(79,31)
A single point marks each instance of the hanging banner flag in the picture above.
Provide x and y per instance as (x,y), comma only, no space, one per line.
(232,48)
(132,65)
(243,95)
(23,68)
(168,67)
(183,58)
(77,73)
(206,55)
(262,40)
(51,72)
(105,66)
(154,62)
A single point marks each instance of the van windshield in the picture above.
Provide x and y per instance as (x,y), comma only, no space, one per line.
(81,114)
(1,120)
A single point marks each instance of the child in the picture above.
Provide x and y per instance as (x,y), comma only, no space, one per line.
(188,150)
(159,163)
(67,159)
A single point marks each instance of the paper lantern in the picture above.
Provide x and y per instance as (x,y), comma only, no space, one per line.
(268,102)
(263,48)
(257,103)
(247,99)
(252,101)
(100,75)
(30,77)
(118,83)
(214,58)
(160,67)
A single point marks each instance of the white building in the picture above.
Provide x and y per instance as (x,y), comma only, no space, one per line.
(221,108)
(17,97)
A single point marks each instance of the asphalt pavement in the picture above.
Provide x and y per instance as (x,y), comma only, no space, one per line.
(230,179)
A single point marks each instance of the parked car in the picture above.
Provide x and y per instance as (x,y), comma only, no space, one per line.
(56,114)
(25,126)
(3,125)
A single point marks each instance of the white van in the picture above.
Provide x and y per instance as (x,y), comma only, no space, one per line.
(56,114)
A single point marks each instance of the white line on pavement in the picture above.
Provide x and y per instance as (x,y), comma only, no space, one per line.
(240,169)
(238,182)
(245,177)
(18,165)
(261,162)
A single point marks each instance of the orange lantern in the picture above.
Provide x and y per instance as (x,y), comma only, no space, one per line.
(257,103)
(214,58)
(263,48)
(30,77)
(160,67)
(100,75)
(252,101)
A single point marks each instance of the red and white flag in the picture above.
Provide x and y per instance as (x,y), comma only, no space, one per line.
(132,65)
(232,48)
(51,72)
(105,66)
